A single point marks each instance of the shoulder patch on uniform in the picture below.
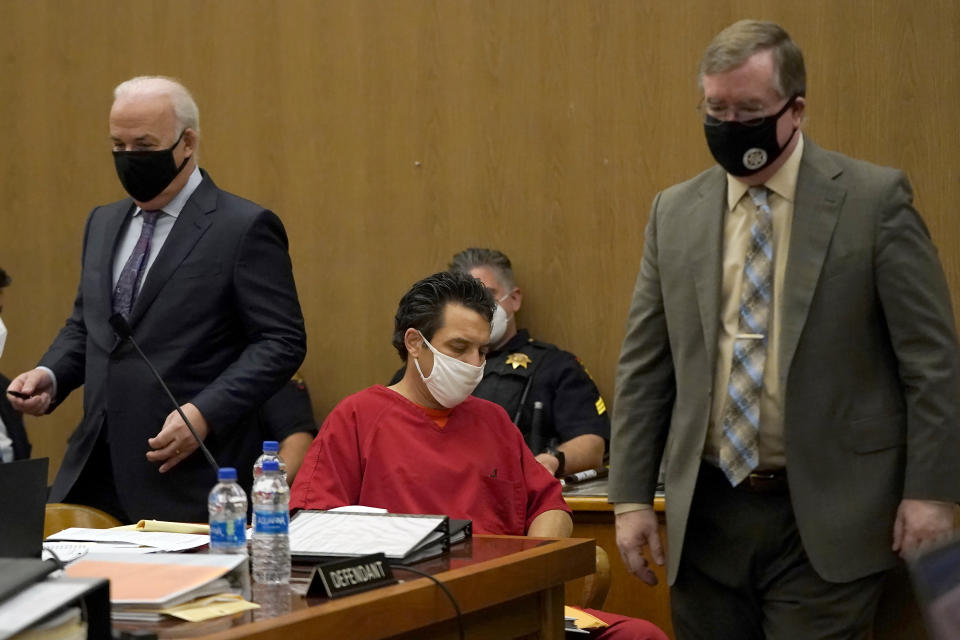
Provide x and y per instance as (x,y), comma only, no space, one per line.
(601,406)
(540,344)
(297,379)
(518,360)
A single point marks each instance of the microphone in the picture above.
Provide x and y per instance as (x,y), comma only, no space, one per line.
(122,328)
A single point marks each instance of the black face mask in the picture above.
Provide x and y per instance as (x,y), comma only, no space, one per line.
(744,148)
(145,174)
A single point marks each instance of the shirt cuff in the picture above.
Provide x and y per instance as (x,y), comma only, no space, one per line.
(626,507)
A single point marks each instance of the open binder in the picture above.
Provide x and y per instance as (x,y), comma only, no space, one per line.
(402,538)
(17,574)
(48,599)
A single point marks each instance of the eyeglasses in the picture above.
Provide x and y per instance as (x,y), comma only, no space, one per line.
(749,117)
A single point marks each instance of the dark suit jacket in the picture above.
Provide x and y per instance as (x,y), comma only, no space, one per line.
(868,360)
(13,420)
(218,315)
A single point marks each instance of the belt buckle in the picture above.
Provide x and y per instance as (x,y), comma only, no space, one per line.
(766,482)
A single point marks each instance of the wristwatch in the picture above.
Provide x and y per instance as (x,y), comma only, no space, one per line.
(561,460)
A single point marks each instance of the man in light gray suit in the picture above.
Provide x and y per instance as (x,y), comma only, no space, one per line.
(791,354)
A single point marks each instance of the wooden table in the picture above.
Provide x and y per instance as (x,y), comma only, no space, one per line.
(507,587)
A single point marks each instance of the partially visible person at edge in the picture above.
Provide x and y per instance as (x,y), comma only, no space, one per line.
(791,354)
(14,444)
(204,280)
(425,445)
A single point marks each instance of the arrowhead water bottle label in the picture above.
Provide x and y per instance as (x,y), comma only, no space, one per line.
(272,522)
(230,532)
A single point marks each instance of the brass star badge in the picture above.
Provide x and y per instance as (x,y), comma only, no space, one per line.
(518,360)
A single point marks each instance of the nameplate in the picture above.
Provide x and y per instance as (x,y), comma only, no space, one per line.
(347,576)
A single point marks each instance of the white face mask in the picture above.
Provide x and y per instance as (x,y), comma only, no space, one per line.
(451,380)
(3,335)
(498,325)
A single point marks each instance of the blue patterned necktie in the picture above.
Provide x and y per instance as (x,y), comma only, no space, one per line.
(129,283)
(741,418)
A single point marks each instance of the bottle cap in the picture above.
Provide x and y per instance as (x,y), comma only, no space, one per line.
(271,465)
(271,446)
(226,473)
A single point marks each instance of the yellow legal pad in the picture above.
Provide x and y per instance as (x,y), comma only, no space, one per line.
(161,526)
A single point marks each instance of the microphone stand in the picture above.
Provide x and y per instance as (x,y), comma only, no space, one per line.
(123,329)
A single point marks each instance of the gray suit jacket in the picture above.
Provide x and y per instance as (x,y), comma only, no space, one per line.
(219,317)
(868,360)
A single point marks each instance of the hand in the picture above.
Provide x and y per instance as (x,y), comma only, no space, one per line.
(37,384)
(175,442)
(636,530)
(549,462)
(921,523)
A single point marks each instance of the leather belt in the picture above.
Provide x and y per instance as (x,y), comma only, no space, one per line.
(774,481)
(771,482)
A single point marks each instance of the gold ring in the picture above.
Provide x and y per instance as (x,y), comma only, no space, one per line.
(178,452)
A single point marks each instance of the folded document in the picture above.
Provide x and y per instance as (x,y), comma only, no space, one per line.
(142,587)
(161,541)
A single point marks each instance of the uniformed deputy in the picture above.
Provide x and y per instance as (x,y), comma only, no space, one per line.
(287,417)
(521,371)
(525,371)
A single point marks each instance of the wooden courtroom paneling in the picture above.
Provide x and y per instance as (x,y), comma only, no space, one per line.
(389,134)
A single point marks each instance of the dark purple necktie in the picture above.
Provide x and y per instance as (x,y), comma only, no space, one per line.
(126,290)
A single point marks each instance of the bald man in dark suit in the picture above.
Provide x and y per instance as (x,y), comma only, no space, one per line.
(205,280)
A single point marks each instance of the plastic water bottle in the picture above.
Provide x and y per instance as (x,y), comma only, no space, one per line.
(274,600)
(227,507)
(271,535)
(270,452)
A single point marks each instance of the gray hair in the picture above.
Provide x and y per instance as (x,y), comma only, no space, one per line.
(184,107)
(474,257)
(731,47)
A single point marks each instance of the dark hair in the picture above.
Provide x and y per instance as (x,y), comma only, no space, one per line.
(476,257)
(5,279)
(422,307)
